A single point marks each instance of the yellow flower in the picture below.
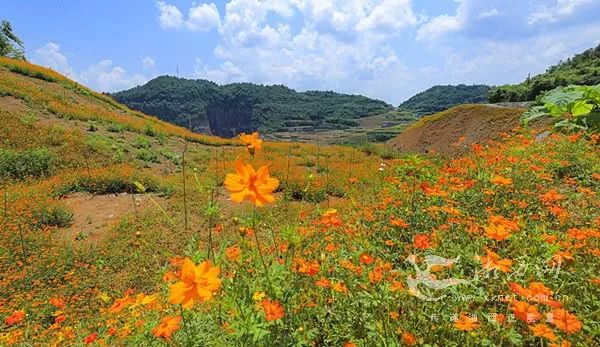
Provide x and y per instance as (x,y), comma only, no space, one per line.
(257,186)
(258,296)
(197,283)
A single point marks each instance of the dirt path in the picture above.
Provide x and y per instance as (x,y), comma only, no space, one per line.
(93,215)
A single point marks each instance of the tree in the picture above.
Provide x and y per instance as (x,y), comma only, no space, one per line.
(10,45)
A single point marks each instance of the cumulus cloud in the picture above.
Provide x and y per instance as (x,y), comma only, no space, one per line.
(169,15)
(560,10)
(103,76)
(353,45)
(148,63)
(339,44)
(202,17)
(51,56)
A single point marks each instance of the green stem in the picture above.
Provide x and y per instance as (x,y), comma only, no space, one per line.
(262,258)
(186,327)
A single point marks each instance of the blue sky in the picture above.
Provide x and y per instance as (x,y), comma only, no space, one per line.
(387,49)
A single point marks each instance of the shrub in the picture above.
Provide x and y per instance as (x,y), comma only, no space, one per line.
(55,216)
(148,155)
(141,142)
(380,150)
(28,163)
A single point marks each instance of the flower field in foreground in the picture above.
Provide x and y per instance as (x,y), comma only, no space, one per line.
(497,248)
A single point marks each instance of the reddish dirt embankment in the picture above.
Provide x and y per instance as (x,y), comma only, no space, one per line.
(452,132)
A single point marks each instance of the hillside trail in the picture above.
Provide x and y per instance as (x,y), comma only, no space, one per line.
(95,215)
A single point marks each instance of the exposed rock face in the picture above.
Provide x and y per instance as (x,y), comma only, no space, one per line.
(230,115)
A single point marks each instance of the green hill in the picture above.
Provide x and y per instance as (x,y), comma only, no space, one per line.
(439,98)
(229,109)
(581,69)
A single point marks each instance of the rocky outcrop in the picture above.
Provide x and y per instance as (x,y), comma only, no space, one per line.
(230,114)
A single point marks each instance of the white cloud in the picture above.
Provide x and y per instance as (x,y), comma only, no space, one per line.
(202,17)
(494,62)
(389,14)
(148,64)
(51,56)
(441,25)
(559,11)
(104,76)
(339,44)
(492,12)
(170,16)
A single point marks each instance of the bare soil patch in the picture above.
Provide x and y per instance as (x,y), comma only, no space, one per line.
(452,132)
(93,215)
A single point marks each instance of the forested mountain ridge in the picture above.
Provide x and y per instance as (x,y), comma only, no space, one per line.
(439,98)
(581,69)
(229,109)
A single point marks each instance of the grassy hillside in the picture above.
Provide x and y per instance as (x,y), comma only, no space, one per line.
(246,106)
(581,69)
(334,258)
(439,98)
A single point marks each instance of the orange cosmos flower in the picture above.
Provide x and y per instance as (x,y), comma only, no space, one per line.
(501,181)
(252,142)
(421,241)
(466,323)
(322,282)
(330,218)
(398,222)
(15,318)
(233,253)
(409,339)
(366,259)
(57,302)
(196,283)
(272,309)
(492,261)
(562,344)
(257,186)
(497,232)
(167,327)
(565,321)
(542,330)
(525,312)
(90,338)
(349,344)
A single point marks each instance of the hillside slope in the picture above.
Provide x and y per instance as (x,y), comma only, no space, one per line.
(242,107)
(439,98)
(581,69)
(103,231)
(453,131)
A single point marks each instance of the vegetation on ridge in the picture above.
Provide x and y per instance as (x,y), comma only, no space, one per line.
(269,108)
(440,98)
(581,69)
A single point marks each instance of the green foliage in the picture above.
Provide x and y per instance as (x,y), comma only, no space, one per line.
(27,163)
(439,98)
(141,142)
(576,106)
(201,104)
(10,45)
(54,216)
(148,155)
(111,185)
(582,69)
(378,149)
